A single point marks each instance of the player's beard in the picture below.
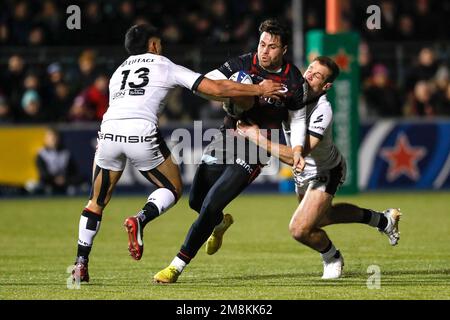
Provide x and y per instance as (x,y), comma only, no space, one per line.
(270,65)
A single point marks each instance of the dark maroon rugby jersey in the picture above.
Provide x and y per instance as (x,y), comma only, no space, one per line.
(267,113)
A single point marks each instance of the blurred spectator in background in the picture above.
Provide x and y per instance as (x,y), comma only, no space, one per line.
(405,28)
(420,100)
(442,95)
(425,68)
(388,19)
(220,22)
(60,103)
(4,30)
(58,172)
(12,82)
(85,73)
(5,111)
(97,96)
(425,21)
(121,21)
(382,97)
(171,33)
(92,103)
(365,62)
(37,36)
(32,111)
(20,23)
(50,18)
(79,111)
(55,73)
(94,29)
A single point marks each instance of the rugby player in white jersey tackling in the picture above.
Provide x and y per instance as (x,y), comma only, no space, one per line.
(129,131)
(324,172)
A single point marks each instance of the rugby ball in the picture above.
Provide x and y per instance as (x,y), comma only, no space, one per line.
(231,108)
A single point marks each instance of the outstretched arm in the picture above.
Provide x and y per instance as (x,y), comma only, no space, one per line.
(228,88)
(298,137)
(281,151)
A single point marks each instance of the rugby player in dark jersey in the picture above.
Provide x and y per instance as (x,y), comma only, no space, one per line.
(230,163)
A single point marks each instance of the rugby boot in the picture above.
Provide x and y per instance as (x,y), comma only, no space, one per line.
(391,230)
(167,275)
(80,271)
(333,268)
(214,241)
(135,237)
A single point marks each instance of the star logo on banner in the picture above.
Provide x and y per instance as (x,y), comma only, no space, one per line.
(403,159)
(343,60)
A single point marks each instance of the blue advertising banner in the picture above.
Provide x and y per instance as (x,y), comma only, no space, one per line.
(392,155)
(405,155)
(187,147)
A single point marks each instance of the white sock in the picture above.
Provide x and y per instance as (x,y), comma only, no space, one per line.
(86,236)
(178,263)
(162,198)
(329,255)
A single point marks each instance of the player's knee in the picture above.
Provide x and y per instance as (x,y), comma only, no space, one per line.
(91,206)
(300,232)
(195,204)
(211,213)
(176,187)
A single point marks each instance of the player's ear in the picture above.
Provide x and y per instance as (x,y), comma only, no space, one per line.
(327,86)
(154,46)
(150,46)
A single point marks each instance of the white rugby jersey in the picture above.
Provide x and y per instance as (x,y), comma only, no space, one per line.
(139,87)
(319,117)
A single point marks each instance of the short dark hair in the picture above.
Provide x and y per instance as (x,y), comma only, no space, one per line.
(136,38)
(331,65)
(275,27)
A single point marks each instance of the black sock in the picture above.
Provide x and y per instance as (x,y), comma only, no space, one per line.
(326,252)
(183,256)
(367,214)
(83,251)
(337,254)
(370,219)
(327,248)
(383,222)
(148,213)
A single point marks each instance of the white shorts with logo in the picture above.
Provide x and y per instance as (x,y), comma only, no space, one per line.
(137,140)
(326,180)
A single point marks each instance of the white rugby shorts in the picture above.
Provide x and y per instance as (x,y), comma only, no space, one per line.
(326,181)
(137,140)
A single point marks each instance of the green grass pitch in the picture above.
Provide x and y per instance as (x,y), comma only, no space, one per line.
(258,260)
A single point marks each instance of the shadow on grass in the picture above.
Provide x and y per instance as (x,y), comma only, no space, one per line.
(350,278)
(438,276)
